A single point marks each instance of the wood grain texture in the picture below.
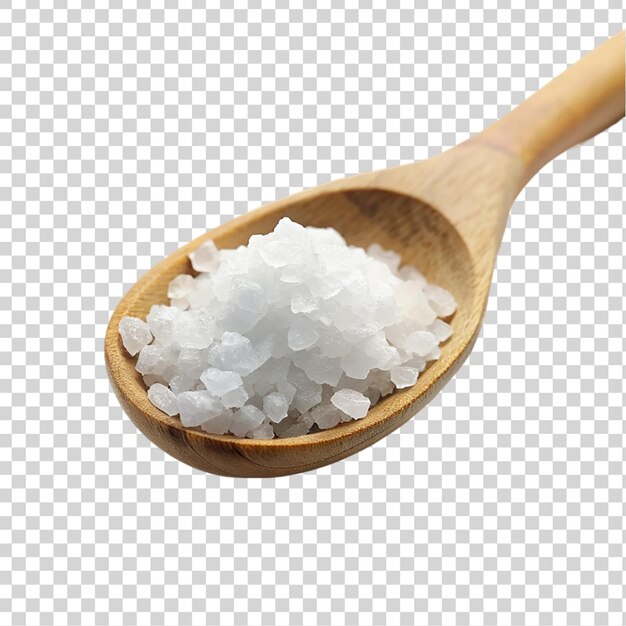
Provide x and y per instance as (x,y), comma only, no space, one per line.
(445,215)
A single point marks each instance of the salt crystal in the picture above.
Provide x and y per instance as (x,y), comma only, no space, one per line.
(293,332)
(417,362)
(235,319)
(332,343)
(163,399)
(407,272)
(226,385)
(379,353)
(294,425)
(149,360)
(434,354)
(388,257)
(275,406)
(180,303)
(150,379)
(135,334)
(219,382)
(414,304)
(351,402)
(265,430)
(194,329)
(356,364)
(287,390)
(303,303)
(327,415)
(205,258)
(235,398)
(249,296)
(441,330)
(290,275)
(197,407)
(320,369)
(161,319)
(441,301)
(308,393)
(323,288)
(180,286)
(280,253)
(219,424)
(247,418)
(192,362)
(301,337)
(404,376)
(421,342)
(202,293)
(291,231)
(306,398)
(181,382)
(236,351)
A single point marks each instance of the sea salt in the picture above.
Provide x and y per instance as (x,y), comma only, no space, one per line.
(205,258)
(352,403)
(220,382)
(198,407)
(135,334)
(246,419)
(275,406)
(293,333)
(180,286)
(403,377)
(163,398)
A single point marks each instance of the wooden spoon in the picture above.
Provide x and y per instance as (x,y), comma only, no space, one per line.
(446,215)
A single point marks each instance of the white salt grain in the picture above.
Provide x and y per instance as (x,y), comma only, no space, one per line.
(247,418)
(421,342)
(135,334)
(275,406)
(180,303)
(150,379)
(219,382)
(295,332)
(351,402)
(403,377)
(236,398)
(287,390)
(205,258)
(263,431)
(326,415)
(161,320)
(307,398)
(441,330)
(193,329)
(180,286)
(234,350)
(150,359)
(198,407)
(163,399)
(219,424)
(301,337)
(441,301)
(181,382)
(388,257)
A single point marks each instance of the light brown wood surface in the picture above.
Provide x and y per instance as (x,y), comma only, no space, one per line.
(445,215)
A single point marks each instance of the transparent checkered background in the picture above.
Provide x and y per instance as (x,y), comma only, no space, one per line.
(125,132)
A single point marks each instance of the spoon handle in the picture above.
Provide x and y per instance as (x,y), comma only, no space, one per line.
(583,101)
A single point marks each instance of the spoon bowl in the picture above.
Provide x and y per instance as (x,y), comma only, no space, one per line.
(445,216)
(420,233)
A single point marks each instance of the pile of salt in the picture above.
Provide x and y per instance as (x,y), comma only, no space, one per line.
(294,332)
